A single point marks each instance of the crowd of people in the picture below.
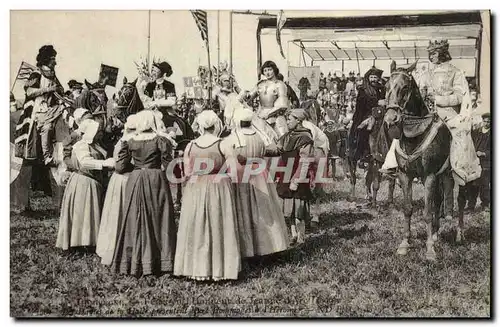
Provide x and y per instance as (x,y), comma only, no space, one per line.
(120,201)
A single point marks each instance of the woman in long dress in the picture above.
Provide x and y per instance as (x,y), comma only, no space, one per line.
(146,239)
(112,212)
(82,200)
(207,239)
(262,226)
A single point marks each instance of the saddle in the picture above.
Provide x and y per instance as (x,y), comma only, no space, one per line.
(416,126)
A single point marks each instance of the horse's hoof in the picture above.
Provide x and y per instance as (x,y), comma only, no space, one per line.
(435,237)
(460,237)
(402,251)
(430,255)
(448,217)
(403,248)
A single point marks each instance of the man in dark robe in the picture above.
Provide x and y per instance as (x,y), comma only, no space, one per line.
(482,143)
(322,81)
(370,95)
(303,86)
(342,83)
(468,193)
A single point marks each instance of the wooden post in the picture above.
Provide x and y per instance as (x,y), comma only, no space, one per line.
(218,45)
(231,42)
(149,41)
(209,72)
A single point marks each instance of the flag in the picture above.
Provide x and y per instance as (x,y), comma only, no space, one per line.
(108,75)
(280,22)
(200,17)
(25,71)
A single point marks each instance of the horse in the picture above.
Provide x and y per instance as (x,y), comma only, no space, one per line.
(423,151)
(378,141)
(127,100)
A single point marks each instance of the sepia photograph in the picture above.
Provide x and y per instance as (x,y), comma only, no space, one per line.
(250,164)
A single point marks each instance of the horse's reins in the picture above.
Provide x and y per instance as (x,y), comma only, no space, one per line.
(434,128)
(397,106)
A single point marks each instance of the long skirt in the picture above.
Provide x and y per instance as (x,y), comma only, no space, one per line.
(207,241)
(111,218)
(262,226)
(146,240)
(80,212)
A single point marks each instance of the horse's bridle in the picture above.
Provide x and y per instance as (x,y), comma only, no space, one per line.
(397,106)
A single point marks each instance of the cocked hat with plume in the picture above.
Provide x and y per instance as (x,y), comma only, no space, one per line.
(164,67)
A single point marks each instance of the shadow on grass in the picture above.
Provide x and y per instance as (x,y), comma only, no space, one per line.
(331,219)
(41,214)
(478,235)
(315,243)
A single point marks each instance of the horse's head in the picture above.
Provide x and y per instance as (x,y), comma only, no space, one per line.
(94,97)
(124,96)
(126,101)
(401,91)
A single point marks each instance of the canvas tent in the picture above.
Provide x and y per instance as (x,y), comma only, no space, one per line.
(357,43)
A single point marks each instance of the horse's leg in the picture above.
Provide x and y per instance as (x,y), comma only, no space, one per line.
(334,167)
(406,185)
(376,182)
(352,176)
(369,182)
(438,208)
(430,210)
(448,184)
(345,167)
(461,199)
(392,185)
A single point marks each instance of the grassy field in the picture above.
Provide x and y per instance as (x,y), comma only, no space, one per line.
(349,268)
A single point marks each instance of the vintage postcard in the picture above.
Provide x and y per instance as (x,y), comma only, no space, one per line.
(250,163)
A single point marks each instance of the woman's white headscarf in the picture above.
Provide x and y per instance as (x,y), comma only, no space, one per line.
(129,129)
(145,120)
(78,115)
(207,119)
(242,114)
(88,128)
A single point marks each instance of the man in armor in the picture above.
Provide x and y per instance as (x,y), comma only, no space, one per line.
(273,100)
